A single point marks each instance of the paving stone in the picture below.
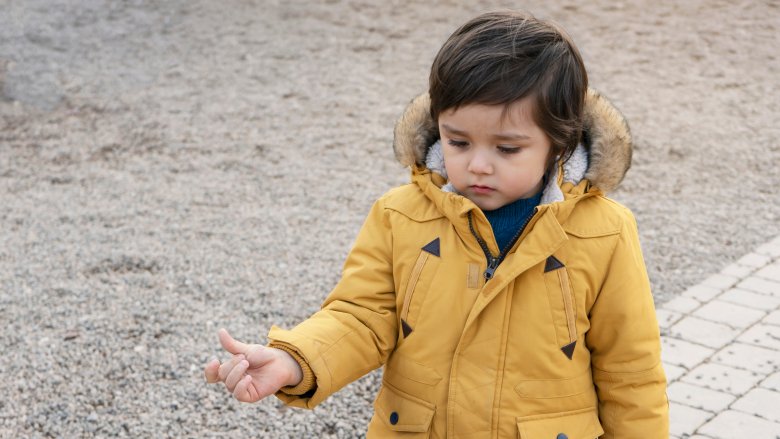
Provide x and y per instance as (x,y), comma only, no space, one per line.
(696,330)
(699,397)
(772,383)
(771,272)
(684,420)
(682,304)
(720,281)
(738,271)
(732,424)
(673,373)
(723,378)
(702,293)
(746,356)
(667,318)
(767,336)
(754,260)
(759,285)
(683,353)
(750,299)
(736,316)
(771,249)
(773,318)
(761,402)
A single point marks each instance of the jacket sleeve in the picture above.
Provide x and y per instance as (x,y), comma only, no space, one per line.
(625,345)
(356,329)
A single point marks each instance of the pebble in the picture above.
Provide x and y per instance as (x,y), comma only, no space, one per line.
(134,202)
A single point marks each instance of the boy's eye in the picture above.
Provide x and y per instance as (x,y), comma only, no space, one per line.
(457,143)
(509,149)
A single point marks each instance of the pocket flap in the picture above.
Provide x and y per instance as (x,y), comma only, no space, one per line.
(560,388)
(402,412)
(398,365)
(580,424)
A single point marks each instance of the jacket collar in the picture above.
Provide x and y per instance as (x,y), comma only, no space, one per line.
(456,207)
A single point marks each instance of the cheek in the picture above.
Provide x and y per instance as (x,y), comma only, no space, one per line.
(451,167)
(455,168)
(541,162)
(449,158)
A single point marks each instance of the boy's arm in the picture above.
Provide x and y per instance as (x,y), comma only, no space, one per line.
(356,329)
(624,340)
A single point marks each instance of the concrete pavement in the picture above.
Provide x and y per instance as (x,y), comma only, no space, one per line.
(721,351)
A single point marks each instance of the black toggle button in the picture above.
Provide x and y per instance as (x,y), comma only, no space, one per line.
(394,418)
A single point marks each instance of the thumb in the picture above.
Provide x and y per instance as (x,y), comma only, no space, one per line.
(230,344)
(259,355)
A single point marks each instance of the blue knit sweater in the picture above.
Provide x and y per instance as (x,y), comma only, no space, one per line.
(507,220)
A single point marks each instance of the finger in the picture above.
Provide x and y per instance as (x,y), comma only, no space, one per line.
(212,371)
(245,391)
(230,344)
(236,374)
(227,366)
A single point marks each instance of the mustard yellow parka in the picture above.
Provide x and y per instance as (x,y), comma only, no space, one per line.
(562,341)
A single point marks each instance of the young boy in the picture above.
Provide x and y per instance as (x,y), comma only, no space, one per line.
(501,290)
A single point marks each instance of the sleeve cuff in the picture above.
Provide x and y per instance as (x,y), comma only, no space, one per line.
(308,382)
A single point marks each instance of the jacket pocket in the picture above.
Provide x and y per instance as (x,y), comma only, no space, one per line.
(416,288)
(558,388)
(563,305)
(405,368)
(397,411)
(578,424)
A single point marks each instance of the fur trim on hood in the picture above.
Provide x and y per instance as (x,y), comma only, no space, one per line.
(607,141)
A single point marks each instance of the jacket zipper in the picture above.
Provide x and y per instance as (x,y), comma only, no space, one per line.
(493,262)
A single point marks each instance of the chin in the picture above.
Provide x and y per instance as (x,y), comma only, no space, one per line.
(489,206)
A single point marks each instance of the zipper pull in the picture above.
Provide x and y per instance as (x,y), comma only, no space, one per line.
(491,268)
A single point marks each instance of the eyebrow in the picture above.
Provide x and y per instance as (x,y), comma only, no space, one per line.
(500,136)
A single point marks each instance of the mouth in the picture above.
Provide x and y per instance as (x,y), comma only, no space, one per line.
(482,190)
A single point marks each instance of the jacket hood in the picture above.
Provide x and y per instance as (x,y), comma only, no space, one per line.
(607,142)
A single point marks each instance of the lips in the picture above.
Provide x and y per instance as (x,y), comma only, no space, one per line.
(481,190)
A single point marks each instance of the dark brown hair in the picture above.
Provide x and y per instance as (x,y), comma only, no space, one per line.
(501,57)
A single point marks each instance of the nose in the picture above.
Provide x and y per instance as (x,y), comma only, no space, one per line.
(480,163)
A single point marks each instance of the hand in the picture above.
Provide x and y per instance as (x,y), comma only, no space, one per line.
(254,371)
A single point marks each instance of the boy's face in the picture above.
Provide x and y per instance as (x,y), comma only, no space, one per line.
(494,158)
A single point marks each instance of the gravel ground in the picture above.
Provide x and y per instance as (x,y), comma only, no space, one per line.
(169,168)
